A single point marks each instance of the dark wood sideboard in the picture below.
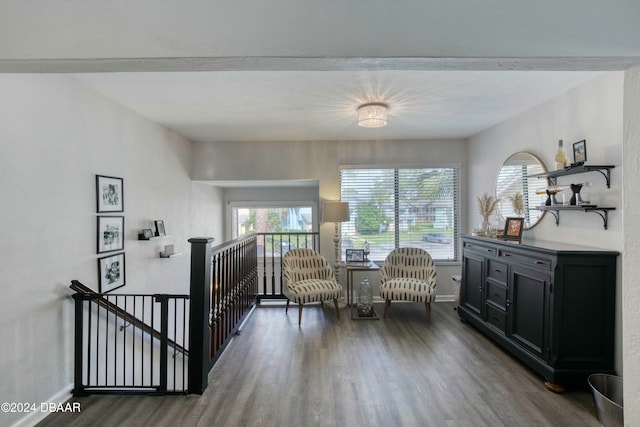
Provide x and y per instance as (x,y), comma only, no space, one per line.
(551,305)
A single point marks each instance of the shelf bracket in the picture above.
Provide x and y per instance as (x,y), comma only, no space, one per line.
(603,214)
(607,177)
(556,215)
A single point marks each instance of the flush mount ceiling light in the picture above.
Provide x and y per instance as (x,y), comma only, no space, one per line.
(372,115)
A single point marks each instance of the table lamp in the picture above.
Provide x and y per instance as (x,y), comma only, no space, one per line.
(336,212)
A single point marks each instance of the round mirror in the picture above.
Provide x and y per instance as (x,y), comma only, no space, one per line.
(516,193)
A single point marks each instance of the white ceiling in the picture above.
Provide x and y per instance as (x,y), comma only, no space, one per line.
(296,70)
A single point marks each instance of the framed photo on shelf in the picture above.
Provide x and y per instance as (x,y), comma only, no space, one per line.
(354,255)
(111,272)
(159,224)
(110,233)
(579,152)
(109,194)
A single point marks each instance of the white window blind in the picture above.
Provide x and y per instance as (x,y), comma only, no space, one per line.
(391,208)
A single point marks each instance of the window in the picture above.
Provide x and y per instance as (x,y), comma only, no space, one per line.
(268,219)
(401,207)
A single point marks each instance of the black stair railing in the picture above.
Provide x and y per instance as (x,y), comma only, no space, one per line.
(127,343)
(223,290)
(271,248)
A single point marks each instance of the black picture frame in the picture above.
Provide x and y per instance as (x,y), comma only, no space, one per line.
(513,227)
(109,194)
(111,272)
(354,255)
(110,234)
(159,225)
(579,152)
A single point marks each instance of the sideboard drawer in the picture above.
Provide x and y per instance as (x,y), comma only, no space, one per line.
(525,259)
(497,294)
(481,249)
(497,271)
(497,318)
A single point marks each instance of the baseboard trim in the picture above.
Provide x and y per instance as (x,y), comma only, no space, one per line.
(33,418)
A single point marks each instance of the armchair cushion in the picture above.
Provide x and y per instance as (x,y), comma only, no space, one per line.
(406,289)
(313,290)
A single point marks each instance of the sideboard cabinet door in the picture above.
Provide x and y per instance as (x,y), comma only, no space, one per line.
(473,267)
(528,313)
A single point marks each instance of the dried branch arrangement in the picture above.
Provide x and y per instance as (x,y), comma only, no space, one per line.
(517,203)
(487,205)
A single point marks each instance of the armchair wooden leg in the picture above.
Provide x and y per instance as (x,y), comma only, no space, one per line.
(428,307)
(387,304)
(335,302)
(286,309)
(300,313)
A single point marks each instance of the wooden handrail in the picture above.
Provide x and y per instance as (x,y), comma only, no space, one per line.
(125,315)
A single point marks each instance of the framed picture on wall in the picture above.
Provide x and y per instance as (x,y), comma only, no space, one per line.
(159,224)
(111,272)
(110,233)
(109,194)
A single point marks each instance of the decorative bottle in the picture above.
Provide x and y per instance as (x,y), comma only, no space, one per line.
(561,157)
(365,248)
(365,299)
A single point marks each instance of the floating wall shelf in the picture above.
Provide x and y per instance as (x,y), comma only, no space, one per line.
(553,175)
(153,237)
(555,211)
(162,255)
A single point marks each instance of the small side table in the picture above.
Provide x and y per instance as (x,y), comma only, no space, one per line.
(358,266)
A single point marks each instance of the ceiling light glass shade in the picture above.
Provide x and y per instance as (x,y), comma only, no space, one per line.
(372,115)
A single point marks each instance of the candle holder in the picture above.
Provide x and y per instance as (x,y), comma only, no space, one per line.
(575,198)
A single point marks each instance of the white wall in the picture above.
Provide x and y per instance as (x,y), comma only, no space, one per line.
(55,135)
(631,254)
(320,160)
(592,111)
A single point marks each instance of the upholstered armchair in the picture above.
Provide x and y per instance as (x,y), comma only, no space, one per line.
(310,278)
(408,274)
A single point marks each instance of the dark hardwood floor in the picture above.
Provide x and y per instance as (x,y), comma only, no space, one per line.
(398,371)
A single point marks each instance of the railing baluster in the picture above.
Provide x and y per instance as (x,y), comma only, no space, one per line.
(133,345)
(89,334)
(174,336)
(124,344)
(164,343)
(153,324)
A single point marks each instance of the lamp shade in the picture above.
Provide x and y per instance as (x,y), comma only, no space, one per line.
(335,211)
(372,115)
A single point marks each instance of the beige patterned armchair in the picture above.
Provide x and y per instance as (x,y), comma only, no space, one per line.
(408,274)
(310,278)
